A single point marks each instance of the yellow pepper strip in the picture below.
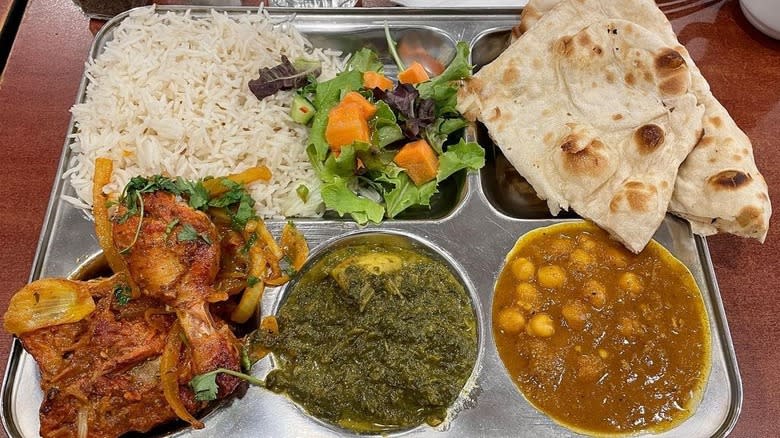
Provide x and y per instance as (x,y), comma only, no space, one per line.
(103,169)
(257,173)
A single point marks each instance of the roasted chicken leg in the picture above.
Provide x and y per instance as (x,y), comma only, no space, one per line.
(173,255)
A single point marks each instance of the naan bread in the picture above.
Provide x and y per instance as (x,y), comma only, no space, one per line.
(718,187)
(595,112)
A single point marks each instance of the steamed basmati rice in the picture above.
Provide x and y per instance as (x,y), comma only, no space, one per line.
(169,95)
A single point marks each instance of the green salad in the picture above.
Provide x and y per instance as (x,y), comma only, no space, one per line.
(380,146)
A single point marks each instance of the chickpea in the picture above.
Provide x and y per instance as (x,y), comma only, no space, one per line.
(586,242)
(576,314)
(541,325)
(511,320)
(630,283)
(551,276)
(589,368)
(580,259)
(630,327)
(522,268)
(560,247)
(595,293)
(616,258)
(527,296)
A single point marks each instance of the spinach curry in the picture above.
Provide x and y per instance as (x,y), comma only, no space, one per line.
(604,341)
(374,338)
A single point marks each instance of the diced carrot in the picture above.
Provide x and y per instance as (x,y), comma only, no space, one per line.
(414,74)
(372,79)
(346,124)
(368,108)
(419,160)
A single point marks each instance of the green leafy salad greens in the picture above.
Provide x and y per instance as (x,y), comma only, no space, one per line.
(362,180)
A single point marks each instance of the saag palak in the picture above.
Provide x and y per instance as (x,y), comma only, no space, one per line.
(374,339)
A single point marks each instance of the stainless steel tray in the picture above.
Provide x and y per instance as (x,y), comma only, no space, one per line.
(476,232)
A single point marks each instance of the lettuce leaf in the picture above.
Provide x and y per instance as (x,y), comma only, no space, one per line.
(365,60)
(384,126)
(463,155)
(438,132)
(405,194)
(338,196)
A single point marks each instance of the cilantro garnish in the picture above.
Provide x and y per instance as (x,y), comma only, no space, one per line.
(251,281)
(122,294)
(169,227)
(205,385)
(236,202)
(189,233)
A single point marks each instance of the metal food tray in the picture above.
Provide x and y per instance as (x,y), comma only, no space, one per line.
(475,232)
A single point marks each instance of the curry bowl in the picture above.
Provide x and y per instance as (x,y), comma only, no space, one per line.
(576,316)
(413,323)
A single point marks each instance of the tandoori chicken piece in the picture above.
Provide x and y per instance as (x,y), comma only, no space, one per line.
(101,374)
(174,256)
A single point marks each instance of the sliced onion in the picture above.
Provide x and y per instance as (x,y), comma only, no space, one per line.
(46,303)
(82,425)
(169,376)
(294,246)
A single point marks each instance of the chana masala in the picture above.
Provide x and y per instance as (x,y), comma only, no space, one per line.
(602,340)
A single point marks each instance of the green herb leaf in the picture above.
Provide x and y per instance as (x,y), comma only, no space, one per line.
(170,226)
(463,155)
(249,242)
(122,294)
(188,233)
(206,388)
(251,281)
(195,191)
(287,266)
(338,196)
(236,200)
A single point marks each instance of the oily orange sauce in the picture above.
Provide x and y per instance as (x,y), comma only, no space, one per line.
(603,341)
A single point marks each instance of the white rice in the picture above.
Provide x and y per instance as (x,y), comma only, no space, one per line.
(169,95)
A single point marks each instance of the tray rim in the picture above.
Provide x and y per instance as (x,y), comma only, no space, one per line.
(51,214)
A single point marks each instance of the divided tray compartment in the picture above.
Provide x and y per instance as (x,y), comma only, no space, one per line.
(474,228)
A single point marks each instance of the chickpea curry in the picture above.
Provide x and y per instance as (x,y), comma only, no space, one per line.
(602,340)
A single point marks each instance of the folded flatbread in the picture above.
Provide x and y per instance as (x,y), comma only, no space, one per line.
(718,186)
(596,112)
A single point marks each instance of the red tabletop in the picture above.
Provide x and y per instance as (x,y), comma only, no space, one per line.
(743,67)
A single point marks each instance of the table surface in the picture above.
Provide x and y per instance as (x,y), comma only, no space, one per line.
(743,67)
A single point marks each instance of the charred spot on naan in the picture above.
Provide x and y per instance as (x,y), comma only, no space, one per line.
(729,180)
(635,196)
(705,141)
(648,138)
(587,160)
(751,219)
(672,69)
(563,46)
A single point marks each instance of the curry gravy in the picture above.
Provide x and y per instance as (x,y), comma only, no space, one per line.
(602,340)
